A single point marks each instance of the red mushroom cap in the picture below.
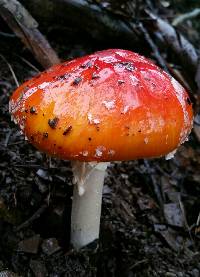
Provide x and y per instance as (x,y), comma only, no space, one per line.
(112,105)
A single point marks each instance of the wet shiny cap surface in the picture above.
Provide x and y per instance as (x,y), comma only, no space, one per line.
(111,105)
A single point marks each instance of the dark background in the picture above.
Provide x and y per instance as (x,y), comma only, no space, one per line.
(149,223)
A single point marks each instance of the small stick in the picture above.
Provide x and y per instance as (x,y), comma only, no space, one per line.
(179,19)
(167,35)
(29,64)
(35,216)
(153,46)
(11,70)
(25,27)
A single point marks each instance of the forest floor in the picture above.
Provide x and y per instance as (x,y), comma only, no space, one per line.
(150,211)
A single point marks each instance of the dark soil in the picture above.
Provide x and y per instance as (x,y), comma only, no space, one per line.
(149,222)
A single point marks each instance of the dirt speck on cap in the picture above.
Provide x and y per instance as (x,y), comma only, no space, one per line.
(67,130)
(53,122)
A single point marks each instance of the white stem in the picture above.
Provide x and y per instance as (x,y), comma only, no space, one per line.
(86,204)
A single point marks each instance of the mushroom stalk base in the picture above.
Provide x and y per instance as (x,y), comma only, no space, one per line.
(86,204)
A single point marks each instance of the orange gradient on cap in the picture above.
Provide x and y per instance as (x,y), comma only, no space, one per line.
(111,105)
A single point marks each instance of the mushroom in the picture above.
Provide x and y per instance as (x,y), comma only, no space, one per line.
(113,105)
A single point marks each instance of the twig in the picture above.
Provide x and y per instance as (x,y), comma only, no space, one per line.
(35,216)
(179,19)
(153,46)
(11,70)
(198,219)
(7,35)
(144,261)
(157,191)
(29,166)
(168,36)
(29,64)
(7,138)
(197,77)
(25,27)
(16,143)
(185,219)
(155,184)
